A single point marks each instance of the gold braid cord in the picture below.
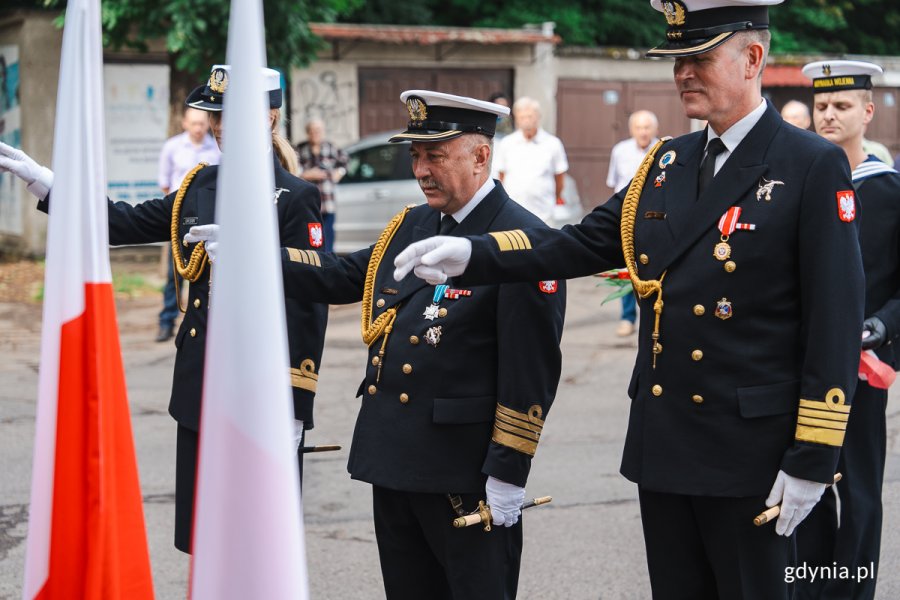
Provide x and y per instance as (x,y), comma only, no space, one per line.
(644,289)
(194,267)
(372,330)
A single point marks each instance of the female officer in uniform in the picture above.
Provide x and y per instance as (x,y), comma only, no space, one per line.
(169,219)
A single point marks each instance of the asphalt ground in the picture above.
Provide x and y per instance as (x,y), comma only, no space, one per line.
(587,544)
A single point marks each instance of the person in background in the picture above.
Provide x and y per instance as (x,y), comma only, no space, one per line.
(624,160)
(504,123)
(323,164)
(796,113)
(850,535)
(532,163)
(876,149)
(180,154)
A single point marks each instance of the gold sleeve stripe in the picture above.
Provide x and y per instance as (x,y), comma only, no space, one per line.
(512,240)
(305,377)
(532,416)
(823,414)
(513,441)
(823,421)
(307,257)
(523,240)
(817,435)
(512,428)
(824,405)
(519,423)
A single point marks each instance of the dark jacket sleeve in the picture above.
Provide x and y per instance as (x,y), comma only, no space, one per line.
(324,276)
(144,223)
(830,268)
(589,247)
(306,318)
(529,331)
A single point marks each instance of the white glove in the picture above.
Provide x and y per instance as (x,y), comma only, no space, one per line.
(208,234)
(435,259)
(505,500)
(298,434)
(38,178)
(797,498)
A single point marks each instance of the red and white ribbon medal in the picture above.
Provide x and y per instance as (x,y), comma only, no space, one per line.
(727,225)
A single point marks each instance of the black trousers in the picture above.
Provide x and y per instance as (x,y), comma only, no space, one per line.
(706,548)
(186,451)
(423,556)
(850,536)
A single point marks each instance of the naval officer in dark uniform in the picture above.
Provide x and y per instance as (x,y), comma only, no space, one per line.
(169,220)
(850,537)
(741,241)
(458,381)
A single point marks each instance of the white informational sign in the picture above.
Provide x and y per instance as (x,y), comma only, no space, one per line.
(10,133)
(137,122)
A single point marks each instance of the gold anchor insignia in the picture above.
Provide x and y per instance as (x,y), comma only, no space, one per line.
(675,13)
(218,81)
(418,110)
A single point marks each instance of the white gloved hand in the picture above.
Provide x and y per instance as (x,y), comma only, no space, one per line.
(38,178)
(797,498)
(505,500)
(208,234)
(435,259)
(298,434)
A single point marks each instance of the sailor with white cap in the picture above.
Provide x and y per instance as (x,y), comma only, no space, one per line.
(168,220)
(842,109)
(752,286)
(458,380)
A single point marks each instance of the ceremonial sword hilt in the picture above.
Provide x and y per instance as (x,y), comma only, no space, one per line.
(482,514)
(308,449)
(772,513)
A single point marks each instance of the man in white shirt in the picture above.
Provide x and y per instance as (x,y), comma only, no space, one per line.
(532,163)
(624,161)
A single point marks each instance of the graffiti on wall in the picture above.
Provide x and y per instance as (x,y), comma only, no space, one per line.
(326,96)
(10,133)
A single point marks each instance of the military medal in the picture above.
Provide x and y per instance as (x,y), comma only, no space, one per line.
(660,179)
(667,159)
(433,336)
(431,312)
(455,294)
(727,225)
(723,309)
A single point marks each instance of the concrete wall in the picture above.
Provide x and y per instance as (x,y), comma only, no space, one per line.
(39,43)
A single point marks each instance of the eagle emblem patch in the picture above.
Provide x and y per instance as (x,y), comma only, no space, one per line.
(846,201)
(548,287)
(316,238)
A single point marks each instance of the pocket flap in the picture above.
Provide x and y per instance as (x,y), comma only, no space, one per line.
(458,411)
(768,400)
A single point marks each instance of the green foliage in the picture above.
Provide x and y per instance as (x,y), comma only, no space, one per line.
(798,26)
(196,31)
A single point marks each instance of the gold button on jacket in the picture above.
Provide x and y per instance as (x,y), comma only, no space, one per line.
(657,390)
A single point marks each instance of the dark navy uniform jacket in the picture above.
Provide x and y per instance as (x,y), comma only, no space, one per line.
(731,400)
(441,417)
(879,239)
(150,221)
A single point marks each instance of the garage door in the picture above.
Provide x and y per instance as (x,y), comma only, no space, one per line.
(379,91)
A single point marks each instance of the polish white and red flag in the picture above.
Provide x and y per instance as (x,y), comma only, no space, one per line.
(248,526)
(86,535)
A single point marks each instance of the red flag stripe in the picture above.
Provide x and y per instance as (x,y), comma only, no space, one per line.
(98,547)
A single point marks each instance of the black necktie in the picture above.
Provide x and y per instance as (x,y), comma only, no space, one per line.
(708,166)
(448,224)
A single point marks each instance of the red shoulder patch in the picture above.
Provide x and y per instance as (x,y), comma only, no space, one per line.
(548,287)
(846,204)
(316,239)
